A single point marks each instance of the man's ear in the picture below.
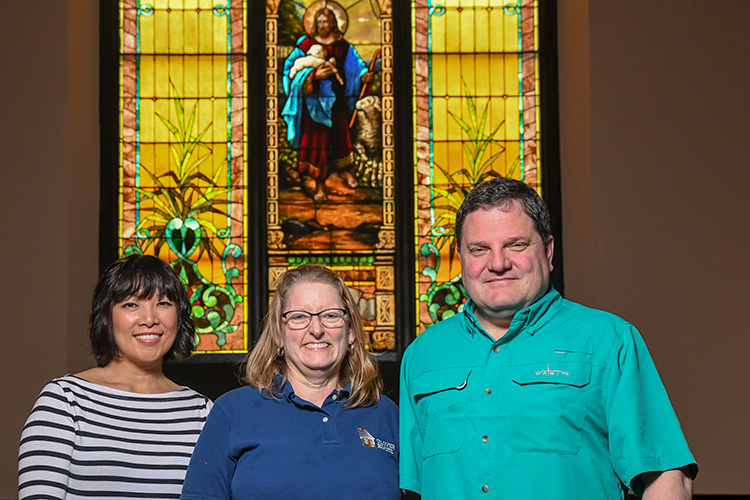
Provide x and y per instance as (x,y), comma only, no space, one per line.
(549,250)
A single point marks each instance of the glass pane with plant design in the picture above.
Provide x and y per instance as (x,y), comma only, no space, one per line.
(445,299)
(179,211)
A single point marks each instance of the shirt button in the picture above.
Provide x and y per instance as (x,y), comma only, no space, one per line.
(488,391)
(485,439)
(334,397)
(485,488)
(325,419)
(496,349)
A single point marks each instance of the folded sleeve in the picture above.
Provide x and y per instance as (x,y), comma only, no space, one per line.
(644,433)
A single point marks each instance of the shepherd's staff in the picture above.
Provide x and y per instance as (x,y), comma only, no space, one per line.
(364,87)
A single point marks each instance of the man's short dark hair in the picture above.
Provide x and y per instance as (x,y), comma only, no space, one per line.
(139,276)
(498,193)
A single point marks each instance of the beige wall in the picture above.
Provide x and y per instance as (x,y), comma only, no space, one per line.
(652,102)
(49,202)
(656,213)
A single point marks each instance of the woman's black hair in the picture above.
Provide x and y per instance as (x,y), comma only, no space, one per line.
(139,276)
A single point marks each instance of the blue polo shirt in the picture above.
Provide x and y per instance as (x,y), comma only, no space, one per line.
(258,447)
(567,404)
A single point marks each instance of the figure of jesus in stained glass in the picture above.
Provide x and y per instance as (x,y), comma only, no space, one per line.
(322,99)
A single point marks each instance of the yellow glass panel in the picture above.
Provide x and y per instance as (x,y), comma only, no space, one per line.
(496,112)
(162,76)
(455,158)
(148,110)
(467,30)
(205,33)
(451,38)
(219,34)
(512,115)
(192,75)
(147,41)
(438,38)
(453,130)
(176,31)
(482,71)
(483,30)
(204,83)
(510,72)
(439,119)
(160,31)
(455,73)
(496,30)
(190,24)
(510,38)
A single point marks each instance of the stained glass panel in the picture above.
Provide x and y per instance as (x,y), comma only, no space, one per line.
(329,137)
(183,157)
(476,116)
(329,157)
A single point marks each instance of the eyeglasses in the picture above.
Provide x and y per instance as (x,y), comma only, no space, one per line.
(330,318)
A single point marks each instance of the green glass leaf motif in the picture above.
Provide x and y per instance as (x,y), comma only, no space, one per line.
(183,237)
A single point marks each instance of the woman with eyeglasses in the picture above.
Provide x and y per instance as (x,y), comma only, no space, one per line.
(312,423)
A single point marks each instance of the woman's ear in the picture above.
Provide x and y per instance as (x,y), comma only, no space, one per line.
(278,342)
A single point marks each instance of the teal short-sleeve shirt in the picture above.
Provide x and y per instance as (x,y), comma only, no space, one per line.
(567,404)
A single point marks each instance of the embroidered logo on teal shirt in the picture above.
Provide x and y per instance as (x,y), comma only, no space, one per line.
(552,373)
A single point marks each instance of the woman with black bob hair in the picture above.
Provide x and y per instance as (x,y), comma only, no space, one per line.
(138,276)
(121,429)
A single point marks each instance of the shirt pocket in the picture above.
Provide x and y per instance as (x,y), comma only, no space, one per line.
(441,401)
(548,406)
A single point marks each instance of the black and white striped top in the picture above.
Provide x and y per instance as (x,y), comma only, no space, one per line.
(84,440)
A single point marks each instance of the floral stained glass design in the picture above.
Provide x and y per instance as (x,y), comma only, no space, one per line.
(476,116)
(183,154)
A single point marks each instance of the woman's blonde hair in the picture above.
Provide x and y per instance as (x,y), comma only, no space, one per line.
(358,367)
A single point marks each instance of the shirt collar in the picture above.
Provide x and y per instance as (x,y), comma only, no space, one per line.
(528,319)
(286,389)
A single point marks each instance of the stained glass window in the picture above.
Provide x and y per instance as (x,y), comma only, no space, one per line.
(476,116)
(331,169)
(183,155)
(329,137)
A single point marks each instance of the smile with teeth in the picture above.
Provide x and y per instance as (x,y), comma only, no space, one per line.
(148,336)
(317,345)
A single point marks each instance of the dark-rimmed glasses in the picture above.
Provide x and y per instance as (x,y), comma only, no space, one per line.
(329,318)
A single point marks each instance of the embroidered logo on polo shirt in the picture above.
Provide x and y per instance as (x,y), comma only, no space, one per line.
(372,442)
(366,437)
(547,371)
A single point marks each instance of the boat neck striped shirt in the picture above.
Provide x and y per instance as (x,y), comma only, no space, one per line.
(84,440)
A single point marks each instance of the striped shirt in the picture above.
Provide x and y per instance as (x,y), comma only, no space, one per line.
(84,440)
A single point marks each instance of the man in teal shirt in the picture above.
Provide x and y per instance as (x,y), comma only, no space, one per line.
(524,394)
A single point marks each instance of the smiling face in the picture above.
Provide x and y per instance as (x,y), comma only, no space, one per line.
(144,329)
(505,264)
(314,353)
